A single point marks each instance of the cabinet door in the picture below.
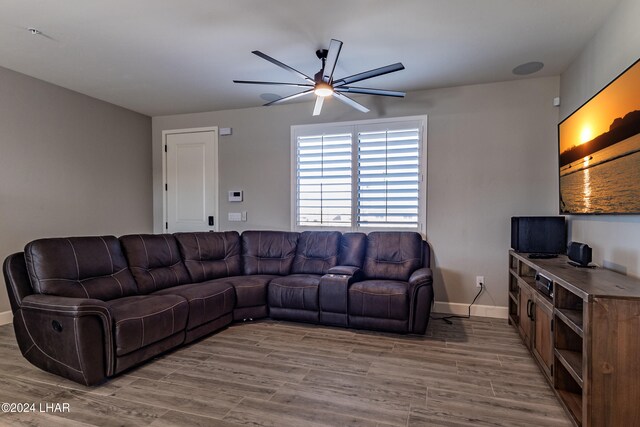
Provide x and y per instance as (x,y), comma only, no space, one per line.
(524,324)
(542,336)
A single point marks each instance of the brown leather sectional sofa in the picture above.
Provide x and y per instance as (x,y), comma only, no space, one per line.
(88,308)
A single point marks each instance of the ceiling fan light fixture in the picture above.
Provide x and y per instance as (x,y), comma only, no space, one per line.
(323,89)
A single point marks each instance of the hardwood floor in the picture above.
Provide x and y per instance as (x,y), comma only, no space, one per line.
(475,372)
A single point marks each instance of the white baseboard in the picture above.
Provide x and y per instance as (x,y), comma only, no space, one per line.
(6,317)
(476,310)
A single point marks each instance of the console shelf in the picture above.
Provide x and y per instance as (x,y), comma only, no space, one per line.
(584,338)
(572,361)
(573,403)
(573,318)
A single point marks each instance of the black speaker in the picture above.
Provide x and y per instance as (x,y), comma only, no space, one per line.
(539,234)
(579,253)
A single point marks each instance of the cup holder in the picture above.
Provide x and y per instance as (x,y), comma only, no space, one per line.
(56,326)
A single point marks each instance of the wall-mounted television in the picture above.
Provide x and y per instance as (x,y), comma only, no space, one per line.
(599,151)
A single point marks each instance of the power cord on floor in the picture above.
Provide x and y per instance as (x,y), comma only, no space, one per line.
(455,316)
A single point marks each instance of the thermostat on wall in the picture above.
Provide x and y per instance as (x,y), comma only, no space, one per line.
(235,195)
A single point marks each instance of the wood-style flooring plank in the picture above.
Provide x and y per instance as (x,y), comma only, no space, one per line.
(256,412)
(183,419)
(379,390)
(193,400)
(242,386)
(502,409)
(27,419)
(314,361)
(361,406)
(423,416)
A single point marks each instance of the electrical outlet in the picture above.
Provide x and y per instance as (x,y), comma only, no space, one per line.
(479,281)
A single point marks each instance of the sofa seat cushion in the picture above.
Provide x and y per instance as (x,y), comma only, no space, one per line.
(386,299)
(299,291)
(251,291)
(207,300)
(146,319)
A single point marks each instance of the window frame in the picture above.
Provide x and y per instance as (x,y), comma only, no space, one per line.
(353,127)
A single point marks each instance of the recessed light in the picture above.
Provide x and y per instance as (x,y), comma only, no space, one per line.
(34,31)
(528,68)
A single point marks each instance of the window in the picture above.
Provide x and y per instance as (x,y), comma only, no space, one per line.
(359,176)
(324,180)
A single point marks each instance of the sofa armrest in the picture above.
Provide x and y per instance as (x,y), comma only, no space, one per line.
(333,294)
(421,294)
(16,278)
(70,337)
(344,270)
(421,277)
(76,307)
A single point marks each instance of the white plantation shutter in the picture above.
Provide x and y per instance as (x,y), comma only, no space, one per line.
(389,178)
(324,180)
(363,176)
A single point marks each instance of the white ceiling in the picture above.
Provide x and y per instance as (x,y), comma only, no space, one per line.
(163,57)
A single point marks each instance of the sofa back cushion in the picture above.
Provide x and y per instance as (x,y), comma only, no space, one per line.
(154,260)
(317,252)
(79,267)
(392,255)
(268,252)
(210,255)
(352,249)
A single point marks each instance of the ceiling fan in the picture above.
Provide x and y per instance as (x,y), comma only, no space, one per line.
(323,84)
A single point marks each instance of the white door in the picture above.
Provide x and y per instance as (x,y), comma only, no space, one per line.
(191,180)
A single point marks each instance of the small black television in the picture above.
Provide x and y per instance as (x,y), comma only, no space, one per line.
(599,151)
(539,234)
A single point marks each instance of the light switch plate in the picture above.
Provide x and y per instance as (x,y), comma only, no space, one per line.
(235,216)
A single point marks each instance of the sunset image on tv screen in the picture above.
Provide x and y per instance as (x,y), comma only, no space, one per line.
(599,151)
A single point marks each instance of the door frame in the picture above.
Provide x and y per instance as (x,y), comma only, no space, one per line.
(165,133)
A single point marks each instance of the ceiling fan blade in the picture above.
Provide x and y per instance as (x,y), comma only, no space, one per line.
(332,60)
(287,98)
(284,66)
(369,74)
(318,107)
(350,102)
(369,91)
(254,82)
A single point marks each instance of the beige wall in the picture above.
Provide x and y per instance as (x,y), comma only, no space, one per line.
(615,239)
(491,154)
(69,165)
